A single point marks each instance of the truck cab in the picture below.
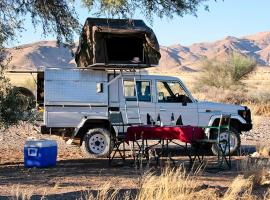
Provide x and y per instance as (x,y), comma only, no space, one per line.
(163,96)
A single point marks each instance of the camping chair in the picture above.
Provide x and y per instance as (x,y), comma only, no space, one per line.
(222,144)
(117,123)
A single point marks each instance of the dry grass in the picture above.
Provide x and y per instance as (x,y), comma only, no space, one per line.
(178,185)
(21,194)
(241,188)
(261,109)
(263,150)
(256,168)
(104,193)
(171,184)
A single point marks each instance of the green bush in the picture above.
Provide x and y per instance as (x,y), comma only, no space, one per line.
(228,73)
(13,107)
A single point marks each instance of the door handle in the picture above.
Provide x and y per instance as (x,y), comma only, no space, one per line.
(162,109)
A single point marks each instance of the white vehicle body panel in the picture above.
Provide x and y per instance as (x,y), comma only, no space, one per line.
(70,95)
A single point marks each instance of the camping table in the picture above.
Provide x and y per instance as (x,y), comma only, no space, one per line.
(186,134)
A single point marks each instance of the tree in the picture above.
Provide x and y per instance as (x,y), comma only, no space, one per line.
(55,16)
(228,73)
(161,8)
(59,17)
(12,103)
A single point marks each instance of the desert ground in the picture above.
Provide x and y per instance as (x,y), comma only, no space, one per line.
(74,174)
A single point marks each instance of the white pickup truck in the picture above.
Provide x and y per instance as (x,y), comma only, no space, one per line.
(80,100)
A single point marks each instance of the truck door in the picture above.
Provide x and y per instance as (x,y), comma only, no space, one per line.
(145,98)
(173,101)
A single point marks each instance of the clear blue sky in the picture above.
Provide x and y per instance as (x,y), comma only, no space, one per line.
(228,17)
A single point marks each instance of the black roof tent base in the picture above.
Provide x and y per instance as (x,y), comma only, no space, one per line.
(104,66)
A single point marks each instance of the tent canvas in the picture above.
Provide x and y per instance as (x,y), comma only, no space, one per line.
(117,43)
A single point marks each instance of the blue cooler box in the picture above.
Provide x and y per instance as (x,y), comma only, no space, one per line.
(40,153)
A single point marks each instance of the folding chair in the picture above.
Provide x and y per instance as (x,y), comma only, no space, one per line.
(222,144)
(117,122)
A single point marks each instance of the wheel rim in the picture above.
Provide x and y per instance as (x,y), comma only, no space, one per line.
(233,141)
(97,143)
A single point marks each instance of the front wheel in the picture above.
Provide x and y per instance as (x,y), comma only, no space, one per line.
(96,143)
(235,142)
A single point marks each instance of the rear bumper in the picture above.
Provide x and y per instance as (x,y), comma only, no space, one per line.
(245,127)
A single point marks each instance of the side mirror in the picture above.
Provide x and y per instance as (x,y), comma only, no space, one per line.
(161,96)
(184,102)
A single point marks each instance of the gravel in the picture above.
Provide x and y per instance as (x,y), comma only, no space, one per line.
(12,143)
(260,134)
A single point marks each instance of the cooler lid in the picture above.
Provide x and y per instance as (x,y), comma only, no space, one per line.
(40,143)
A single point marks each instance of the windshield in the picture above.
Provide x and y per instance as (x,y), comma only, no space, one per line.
(171,91)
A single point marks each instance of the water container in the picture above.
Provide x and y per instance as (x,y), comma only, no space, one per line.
(40,153)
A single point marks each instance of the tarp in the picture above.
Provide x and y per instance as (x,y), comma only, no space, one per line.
(104,41)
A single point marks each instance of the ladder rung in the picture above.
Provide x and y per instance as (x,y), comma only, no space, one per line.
(131,108)
(133,118)
(132,105)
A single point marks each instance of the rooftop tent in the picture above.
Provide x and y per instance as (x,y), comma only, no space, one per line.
(117,43)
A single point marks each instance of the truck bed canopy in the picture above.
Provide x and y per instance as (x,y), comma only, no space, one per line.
(117,43)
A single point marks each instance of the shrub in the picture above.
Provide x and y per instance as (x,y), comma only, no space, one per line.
(12,103)
(225,74)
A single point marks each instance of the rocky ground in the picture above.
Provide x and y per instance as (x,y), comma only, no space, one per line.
(260,133)
(75,173)
(13,140)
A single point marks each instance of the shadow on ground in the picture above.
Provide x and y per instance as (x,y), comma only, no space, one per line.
(83,194)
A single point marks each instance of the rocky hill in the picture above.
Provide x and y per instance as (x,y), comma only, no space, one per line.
(187,58)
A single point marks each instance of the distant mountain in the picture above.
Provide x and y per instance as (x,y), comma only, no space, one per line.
(189,58)
(39,55)
(175,57)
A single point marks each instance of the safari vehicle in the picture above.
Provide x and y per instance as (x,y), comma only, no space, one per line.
(81,100)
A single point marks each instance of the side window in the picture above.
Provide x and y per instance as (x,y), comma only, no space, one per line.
(130,94)
(171,91)
(143,89)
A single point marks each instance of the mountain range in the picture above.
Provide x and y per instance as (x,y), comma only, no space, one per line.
(186,58)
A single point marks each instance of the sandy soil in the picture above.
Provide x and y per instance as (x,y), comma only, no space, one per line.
(75,174)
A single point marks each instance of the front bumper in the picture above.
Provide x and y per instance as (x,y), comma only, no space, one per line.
(245,127)
(246,114)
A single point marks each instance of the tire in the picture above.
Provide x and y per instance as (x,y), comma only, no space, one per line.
(235,142)
(96,143)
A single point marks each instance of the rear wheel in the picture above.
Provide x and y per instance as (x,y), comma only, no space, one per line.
(96,143)
(235,142)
